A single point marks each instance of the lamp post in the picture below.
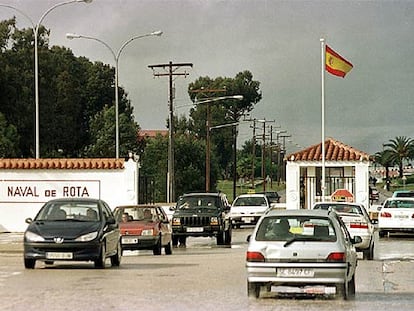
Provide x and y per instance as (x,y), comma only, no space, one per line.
(35,29)
(208,127)
(116,59)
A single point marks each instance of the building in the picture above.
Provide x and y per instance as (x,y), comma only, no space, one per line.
(345,168)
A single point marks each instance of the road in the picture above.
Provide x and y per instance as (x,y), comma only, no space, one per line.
(202,276)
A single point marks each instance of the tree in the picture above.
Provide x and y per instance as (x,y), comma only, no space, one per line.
(400,149)
(8,139)
(222,112)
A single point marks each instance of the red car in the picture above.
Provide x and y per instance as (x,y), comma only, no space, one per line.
(144,227)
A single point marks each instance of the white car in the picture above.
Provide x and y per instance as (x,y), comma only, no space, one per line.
(357,221)
(301,252)
(248,208)
(396,215)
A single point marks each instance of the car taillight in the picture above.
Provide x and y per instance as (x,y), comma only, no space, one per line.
(255,257)
(336,257)
(358,225)
(385,214)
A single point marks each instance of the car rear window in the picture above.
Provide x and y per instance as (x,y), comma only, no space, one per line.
(340,208)
(408,194)
(399,204)
(284,228)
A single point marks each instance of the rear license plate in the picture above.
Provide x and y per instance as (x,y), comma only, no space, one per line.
(195,229)
(52,255)
(126,240)
(295,272)
(247,219)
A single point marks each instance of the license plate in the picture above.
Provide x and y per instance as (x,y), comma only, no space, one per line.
(195,229)
(129,240)
(295,272)
(53,255)
(247,219)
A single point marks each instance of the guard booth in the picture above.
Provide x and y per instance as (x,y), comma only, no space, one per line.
(345,168)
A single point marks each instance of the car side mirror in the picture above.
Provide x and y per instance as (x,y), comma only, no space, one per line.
(29,220)
(248,238)
(356,239)
(172,208)
(111,221)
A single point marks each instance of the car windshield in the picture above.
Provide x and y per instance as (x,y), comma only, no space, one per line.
(295,228)
(401,203)
(197,202)
(136,213)
(250,201)
(340,208)
(75,211)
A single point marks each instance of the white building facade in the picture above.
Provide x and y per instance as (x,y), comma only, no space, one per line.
(26,184)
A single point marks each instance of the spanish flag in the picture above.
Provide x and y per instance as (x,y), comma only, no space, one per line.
(336,64)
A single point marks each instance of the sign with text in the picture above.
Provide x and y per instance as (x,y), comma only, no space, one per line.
(37,191)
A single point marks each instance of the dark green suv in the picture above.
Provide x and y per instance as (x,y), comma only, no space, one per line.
(202,214)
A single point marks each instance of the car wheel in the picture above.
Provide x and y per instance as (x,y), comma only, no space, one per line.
(253,290)
(227,236)
(168,249)
(29,263)
(157,248)
(116,259)
(48,262)
(175,240)
(382,233)
(220,238)
(351,288)
(100,261)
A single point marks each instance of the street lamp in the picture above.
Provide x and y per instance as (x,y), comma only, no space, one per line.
(208,127)
(116,58)
(35,29)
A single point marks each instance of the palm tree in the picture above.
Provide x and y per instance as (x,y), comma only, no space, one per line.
(400,148)
(384,158)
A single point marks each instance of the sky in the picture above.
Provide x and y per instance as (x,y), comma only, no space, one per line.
(277,41)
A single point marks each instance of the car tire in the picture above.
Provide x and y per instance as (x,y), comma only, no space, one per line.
(168,249)
(116,259)
(227,236)
(29,263)
(382,233)
(253,290)
(220,238)
(157,248)
(369,253)
(100,261)
(175,240)
(342,291)
(351,289)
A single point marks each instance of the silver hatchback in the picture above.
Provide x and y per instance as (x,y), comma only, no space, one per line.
(304,252)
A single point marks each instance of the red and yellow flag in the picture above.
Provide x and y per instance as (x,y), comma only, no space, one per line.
(336,64)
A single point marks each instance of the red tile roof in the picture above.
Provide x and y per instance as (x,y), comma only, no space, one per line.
(151,133)
(99,163)
(334,151)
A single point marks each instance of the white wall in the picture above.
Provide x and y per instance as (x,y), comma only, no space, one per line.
(24,191)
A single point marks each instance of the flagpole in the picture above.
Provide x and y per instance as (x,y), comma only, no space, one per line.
(323,61)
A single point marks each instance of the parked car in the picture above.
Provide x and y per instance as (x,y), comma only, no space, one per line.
(248,208)
(357,222)
(272,196)
(144,227)
(403,194)
(202,214)
(304,252)
(396,215)
(74,230)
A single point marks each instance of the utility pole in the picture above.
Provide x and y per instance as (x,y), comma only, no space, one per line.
(263,151)
(208,126)
(172,68)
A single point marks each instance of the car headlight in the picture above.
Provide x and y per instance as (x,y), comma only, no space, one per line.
(214,221)
(176,221)
(33,237)
(87,237)
(147,232)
